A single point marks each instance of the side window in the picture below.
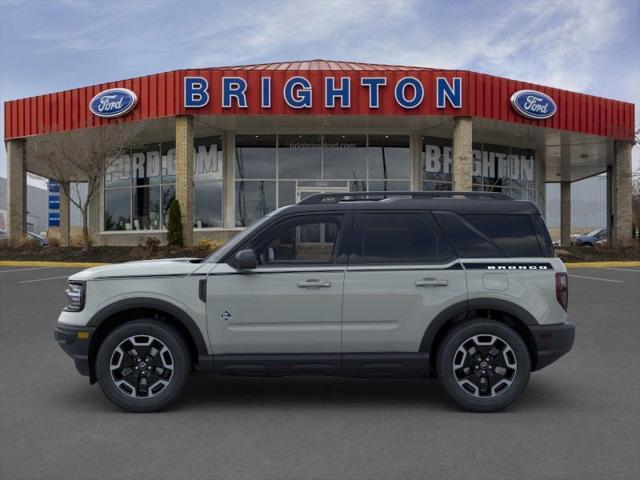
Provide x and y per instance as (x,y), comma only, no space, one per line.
(412,238)
(513,234)
(544,240)
(466,239)
(302,241)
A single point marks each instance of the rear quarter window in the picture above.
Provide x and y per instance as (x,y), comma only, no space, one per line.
(483,236)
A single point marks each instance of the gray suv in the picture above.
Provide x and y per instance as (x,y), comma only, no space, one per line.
(461,286)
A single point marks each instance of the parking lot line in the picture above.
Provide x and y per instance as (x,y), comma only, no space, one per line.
(637,270)
(23,269)
(43,279)
(597,278)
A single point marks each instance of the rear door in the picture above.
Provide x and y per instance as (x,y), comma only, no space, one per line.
(401,274)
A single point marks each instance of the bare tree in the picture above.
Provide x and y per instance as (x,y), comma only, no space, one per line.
(82,156)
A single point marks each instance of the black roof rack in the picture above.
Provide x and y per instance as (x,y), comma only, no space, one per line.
(320,198)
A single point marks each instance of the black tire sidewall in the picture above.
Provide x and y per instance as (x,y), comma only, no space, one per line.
(176,345)
(461,333)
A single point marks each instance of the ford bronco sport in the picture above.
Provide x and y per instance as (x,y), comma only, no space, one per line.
(462,286)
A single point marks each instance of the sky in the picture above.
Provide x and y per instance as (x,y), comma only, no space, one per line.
(582,45)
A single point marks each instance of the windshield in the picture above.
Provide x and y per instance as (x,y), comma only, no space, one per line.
(594,233)
(231,244)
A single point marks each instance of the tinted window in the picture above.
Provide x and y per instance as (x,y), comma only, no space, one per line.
(543,236)
(402,238)
(479,236)
(468,241)
(513,234)
(302,241)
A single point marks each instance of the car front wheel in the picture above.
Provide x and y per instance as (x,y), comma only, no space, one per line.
(483,365)
(143,365)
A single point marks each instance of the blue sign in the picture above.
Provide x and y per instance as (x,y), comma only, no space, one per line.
(54,187)
(54,219)
(54,203)
(114,102)
(533,104)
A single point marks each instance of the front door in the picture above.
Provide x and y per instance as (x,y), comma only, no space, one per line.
(402,274)
(289,308)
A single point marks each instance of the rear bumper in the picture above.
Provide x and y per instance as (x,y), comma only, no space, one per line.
(75,343)
(552,342)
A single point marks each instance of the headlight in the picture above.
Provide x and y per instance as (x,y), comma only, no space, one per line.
(75,297)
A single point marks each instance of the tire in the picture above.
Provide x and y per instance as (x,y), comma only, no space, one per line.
(143,345)
(460,368)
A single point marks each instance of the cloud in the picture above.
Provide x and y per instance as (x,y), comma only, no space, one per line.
(583,45)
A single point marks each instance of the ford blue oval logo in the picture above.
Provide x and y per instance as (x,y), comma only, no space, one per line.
(114,102)
(533,104)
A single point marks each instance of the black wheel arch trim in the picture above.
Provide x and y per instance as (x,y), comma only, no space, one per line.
(462,309)
(154,304)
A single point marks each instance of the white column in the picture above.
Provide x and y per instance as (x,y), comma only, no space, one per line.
(565,213)
(622,193)
(16,191)
(462,154)
(415,148)
(228,180)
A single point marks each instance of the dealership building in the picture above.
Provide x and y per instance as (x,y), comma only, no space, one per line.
(234,143)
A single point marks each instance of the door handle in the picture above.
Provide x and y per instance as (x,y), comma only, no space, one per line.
(431,282)
(313,283)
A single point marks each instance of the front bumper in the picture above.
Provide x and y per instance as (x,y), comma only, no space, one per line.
(552,342)
(75,343)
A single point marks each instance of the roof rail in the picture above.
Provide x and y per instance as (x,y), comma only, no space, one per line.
(320,198)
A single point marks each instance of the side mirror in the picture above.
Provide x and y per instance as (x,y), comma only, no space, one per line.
(245,260)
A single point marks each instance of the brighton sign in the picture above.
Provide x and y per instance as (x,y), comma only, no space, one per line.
(408,92)
(533,104)
(113,103)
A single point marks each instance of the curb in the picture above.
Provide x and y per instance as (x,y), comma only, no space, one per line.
(602,264)
(28,263)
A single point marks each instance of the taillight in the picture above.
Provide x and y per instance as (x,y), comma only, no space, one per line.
(562,289)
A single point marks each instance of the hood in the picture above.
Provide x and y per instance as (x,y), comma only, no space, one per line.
(145,268)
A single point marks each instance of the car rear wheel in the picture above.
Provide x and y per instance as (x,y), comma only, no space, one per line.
(143,365)
(483,365)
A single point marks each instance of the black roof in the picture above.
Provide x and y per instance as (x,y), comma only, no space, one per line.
(457,202)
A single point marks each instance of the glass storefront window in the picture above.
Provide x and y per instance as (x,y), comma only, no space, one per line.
(254,199)
(118,174)
(208,202)
(207,178)
(145,165)
(300,156)
(436,163)
(312,163)
(345,157)
(146,208)
(117,204)
(168,194)
(496,168)
(256,156)
(151,171)
(388,157)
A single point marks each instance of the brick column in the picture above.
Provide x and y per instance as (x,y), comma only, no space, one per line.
(621,192)
(65,219)
(415,147)
(228,180)
(184,174)
(565,213)
(16,191)
(462,154)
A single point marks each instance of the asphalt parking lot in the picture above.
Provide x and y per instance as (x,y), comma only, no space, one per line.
(579,418)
